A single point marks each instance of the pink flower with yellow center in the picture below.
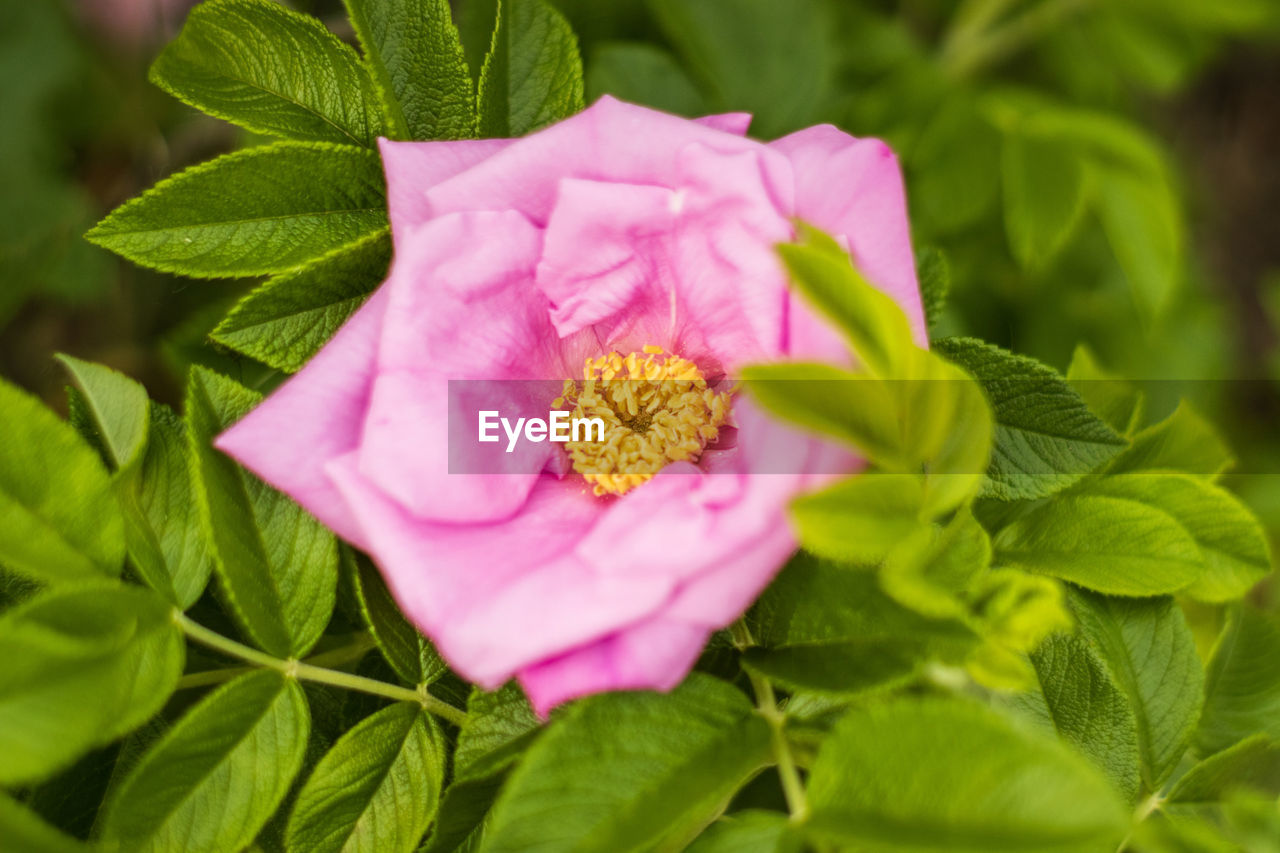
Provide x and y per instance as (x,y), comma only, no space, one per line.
(628,255)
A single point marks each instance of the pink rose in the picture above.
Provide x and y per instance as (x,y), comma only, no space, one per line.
(619,231)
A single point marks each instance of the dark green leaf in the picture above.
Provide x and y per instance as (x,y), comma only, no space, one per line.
(532,76)
(935,284)
(285,321)
(1045,436)
(278,565)
(1242,688)
(258,211)
(1151,655)
(61,521)
(212,781)
(376,790)
(270,70)
(410,654)
(419,69)
(117,406)
(950,775)
(500,726)
(642,73)
(672,762)
(84,666)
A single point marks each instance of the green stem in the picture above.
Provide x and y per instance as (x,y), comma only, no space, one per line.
(1144,810)
(767,707)
(971,49)
(318,674)
(339,656)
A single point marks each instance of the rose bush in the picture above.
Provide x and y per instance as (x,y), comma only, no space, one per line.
(617,230)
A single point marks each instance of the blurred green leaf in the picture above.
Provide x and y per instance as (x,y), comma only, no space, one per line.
(1045,188)
(277,564)
(61,522)
(673,762)
(271,71)
(859,519)
(212,781)
(27,833)
(1242,686)
(1253,763)
(1045,436)
(1112,399)
(261,210)
(84,666)
(376,790)
(532,76)
(643,74)
(1142,220)
(750,832)
(1184,441)
(1151,655)
(287,320)
(118,406)
(950,775)
(418,66)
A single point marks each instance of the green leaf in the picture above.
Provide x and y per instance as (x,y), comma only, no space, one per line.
(1115,401)
(24,831)
(410,654)
(1242,688)
(61,522)
(84,666)
(278,565)
(271,71)
(1184,441)
(776,60)
(1078,700)
(672,763)
(377,789)
(500,726)
(418,66)
(166,543)
(859,519)
(930,567)
(1143,222)
(117,406)
(212,781)
(935,285)
(287,320)
(830,628)
(1044,195)
(1117,535)
(950,775)
(642,73)
(1151,655)
(750,832)
(532,76)
(1252,763)
(254,212)
(1045,436)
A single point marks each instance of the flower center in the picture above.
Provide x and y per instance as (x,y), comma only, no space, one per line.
(655,410)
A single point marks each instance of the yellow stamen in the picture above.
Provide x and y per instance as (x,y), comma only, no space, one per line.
(655,410)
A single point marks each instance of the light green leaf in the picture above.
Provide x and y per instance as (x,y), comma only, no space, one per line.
(257,211)
(1143,222)
(750,832)
(672,763)
(1112,399)
(117,406)
(929,568)
(1151,655)
(1232,543)
(166,543)
(61,522)
(950,775)
(1045,436)
(271,71)
(1113,535)
(278,565)
(418,66)
(212,781)
(532,76)
(1077,700)
(1253,763)
(410,654)
(84,666)
(642,73)
(1242,688)
(500,726)
(1045,188)
(25,832)
(375,790)
(859,519)
(287,320)
(1184,441)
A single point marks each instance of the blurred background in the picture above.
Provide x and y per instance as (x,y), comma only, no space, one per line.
(1101,172)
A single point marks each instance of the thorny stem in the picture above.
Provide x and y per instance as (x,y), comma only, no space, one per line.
(767,707)
(308,671)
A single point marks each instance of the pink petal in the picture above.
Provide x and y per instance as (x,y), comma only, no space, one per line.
(412,168)
(315,416)
(735,123)
(853,187)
